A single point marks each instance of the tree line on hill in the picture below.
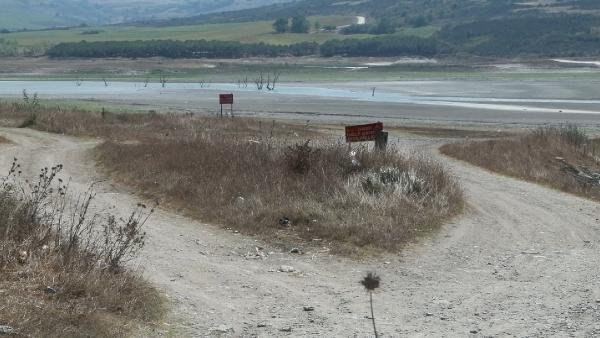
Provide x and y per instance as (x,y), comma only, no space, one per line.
(300,25)
(381,46)
(179,49)
(551,35)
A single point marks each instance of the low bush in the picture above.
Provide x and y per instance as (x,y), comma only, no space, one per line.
(552,156)
(62,276)
(248,174)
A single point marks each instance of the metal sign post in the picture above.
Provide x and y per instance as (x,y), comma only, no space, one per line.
(226,99)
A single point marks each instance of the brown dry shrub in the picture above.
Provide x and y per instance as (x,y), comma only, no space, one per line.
(56,277)
(249,174)
(533,156)
(251,185)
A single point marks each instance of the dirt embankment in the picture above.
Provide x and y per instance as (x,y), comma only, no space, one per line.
(523,261)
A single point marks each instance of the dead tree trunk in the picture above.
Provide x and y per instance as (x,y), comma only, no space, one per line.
(271,85)
(260,81)
(581,174)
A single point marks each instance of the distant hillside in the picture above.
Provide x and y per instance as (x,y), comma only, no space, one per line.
(495,28)
(405,12)
(38,14)
(477,27)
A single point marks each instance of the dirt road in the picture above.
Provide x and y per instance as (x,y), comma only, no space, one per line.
(523,261)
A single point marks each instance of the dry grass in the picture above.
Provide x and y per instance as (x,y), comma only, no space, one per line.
(57,279)
(440,132)
(252,176)
(533,157)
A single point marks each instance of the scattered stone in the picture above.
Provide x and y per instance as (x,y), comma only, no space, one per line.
(474,331)
(261,325)
(444,304)
(50,290)
(258,254)
(286,329)
(295,251)
(22,257)
(239,201)
(309,308)
(286,268)
(428,314)
(5,329)
(444,318)
(284,222)
(222,329)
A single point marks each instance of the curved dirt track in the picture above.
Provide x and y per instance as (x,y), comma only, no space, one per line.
(523,261)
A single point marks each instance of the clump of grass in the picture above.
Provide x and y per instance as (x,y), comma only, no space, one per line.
(537,156)
(60,277)
(321,191)
(248,174)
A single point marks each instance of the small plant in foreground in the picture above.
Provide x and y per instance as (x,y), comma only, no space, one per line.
(51,238)
(371,282)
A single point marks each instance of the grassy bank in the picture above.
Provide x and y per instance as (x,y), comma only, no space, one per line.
(560,158)
(293,69)
(58,277)
(265,178)
(258,31)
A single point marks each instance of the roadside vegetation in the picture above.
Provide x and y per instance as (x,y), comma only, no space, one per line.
(563,158)
(281,181)
(62,268)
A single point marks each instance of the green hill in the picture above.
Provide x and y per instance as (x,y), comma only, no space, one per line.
(495,28)
(39,14)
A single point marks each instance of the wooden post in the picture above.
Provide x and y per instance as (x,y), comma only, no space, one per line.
(221,110)
(381,140)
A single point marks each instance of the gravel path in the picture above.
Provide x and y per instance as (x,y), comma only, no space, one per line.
(522,261)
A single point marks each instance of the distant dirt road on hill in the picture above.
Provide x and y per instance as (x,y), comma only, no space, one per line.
(522,261)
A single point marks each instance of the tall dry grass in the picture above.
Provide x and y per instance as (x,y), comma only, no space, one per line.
(536,156)
(60,277)
(254,176)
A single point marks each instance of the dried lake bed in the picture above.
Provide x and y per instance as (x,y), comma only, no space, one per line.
(491,102)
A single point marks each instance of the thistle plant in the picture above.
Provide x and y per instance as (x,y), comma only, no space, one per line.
(371,282)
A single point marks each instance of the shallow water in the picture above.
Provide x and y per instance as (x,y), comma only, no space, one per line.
(436,97)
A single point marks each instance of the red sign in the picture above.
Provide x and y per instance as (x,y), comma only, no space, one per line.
(364,132)
(226,98)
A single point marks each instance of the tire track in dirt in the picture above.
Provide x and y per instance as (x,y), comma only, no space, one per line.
(522,261)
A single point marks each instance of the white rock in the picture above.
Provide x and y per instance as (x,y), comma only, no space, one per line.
(5,329)
(286,268)
(222,329)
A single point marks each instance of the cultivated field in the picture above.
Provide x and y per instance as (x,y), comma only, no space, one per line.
(247,32)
